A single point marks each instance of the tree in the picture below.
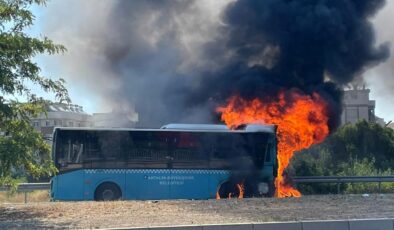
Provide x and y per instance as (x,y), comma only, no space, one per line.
(362,149)
(21,147)
(349,143)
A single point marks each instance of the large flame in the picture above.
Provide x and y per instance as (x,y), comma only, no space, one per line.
(301,119)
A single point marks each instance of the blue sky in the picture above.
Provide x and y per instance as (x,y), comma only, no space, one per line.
(48,66)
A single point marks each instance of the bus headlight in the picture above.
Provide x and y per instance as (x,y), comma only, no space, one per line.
(263,188)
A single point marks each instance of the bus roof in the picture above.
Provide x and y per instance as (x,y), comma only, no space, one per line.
(207,127)
(195,127)
(184,127)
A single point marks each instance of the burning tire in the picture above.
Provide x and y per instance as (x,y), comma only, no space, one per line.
(230,190)
(107,191)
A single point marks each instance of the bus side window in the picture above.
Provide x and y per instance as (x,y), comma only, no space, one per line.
(77,150)
(109,144)
(187,147)
(147,146)
(223,148)
(62,149)
(92,149)
(70,152)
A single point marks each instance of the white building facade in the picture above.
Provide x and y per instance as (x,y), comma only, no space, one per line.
(357,106)
(62,115)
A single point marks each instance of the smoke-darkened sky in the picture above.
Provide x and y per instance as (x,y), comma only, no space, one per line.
(147,55)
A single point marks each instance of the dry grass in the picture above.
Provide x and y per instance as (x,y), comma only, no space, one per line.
(89,214)
(19,197)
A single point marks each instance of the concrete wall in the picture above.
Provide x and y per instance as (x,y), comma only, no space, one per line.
(366,224)
(357,106)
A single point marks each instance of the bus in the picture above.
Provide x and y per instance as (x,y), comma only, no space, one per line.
(177,161)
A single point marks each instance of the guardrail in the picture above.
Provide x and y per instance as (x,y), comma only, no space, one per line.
(344,179)
(28,187)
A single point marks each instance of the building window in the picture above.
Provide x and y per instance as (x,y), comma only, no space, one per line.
(58,123)
(371,115)
(36,124)
(352,115)
(47,123)
(70,123)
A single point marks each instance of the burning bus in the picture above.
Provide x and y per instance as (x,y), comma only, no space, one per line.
(178,161)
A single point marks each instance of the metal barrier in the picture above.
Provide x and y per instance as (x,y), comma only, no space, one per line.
(28,187)
(344,179)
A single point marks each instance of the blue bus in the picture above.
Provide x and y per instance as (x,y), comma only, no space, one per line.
(177,161)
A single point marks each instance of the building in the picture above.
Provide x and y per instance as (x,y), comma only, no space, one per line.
(59,114)
(115,119)
(69,115)
(357,106)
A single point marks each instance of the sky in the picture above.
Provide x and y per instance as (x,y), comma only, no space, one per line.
(379,79)
(82,92)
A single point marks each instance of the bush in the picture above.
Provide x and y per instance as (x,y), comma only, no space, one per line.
(339,155)
(365,167)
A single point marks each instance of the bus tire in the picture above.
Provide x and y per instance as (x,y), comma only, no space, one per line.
(228,190)
(107,191)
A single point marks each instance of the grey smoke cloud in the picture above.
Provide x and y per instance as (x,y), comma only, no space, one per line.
(130,54)
(174,61)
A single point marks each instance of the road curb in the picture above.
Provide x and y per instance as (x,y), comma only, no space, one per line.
(351,224)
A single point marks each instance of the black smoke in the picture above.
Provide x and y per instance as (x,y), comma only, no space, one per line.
(315,46)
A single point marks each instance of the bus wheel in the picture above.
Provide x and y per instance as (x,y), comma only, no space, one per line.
(229,190)
(107,191)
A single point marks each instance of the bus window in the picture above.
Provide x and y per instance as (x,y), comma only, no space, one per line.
(92,151)
(70,150)
(109,145)
(147,146)
(184,146)
(75,154)
(223,148)
(187,150)
(243,145)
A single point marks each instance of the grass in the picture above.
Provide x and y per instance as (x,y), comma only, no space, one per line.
(19,197)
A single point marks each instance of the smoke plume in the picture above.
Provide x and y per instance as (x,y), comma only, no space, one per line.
(175,61)
(304,45)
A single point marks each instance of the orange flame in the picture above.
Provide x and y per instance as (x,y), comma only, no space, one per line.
(301,120)
(241,190)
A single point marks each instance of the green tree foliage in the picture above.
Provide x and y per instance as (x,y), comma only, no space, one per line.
(21,147)
(363,149)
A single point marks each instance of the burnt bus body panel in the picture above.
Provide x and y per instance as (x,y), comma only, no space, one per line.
(158,164)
